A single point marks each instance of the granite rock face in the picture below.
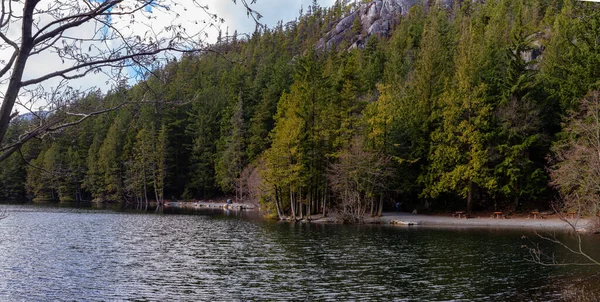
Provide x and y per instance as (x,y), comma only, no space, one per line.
(377,18)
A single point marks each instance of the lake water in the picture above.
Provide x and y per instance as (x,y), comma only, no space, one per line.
(50,253)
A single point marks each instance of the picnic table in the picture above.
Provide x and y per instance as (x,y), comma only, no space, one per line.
(497,215)
(460,214)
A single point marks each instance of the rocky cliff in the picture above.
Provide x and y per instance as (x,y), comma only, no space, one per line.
(377,18)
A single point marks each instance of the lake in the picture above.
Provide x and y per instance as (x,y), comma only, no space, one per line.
(52,253)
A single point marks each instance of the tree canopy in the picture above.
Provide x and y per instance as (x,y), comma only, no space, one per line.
(456,109)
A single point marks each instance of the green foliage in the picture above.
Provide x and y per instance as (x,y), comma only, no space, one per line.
(572,53)
(13,171)
(457,104)
(12,178)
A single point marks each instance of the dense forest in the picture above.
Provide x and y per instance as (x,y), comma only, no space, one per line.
(480,106)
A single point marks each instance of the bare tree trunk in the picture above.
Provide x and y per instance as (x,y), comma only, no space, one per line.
(315,203)
(14,85)
(301,205)
(158,201)
(310,198)
(380,209)
(277,205)
(517,199)
(292,203)
(145,187)
(278,209)
(470,197)
(346,197)
(156,191)
(325,199)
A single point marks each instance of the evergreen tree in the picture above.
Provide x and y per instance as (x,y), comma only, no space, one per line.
(459,154)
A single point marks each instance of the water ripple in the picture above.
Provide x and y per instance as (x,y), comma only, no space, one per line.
(67,254)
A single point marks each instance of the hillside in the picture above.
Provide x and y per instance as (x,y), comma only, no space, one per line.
(351,108)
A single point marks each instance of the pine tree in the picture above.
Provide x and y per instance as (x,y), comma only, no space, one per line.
(159,158)
(109,162)
(283,158)
(233,158)
(459,151)
(94,180)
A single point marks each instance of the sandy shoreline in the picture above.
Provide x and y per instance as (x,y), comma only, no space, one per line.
(416,220)
(446,221)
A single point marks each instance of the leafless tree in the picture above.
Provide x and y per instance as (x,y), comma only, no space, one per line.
(88,38)
(357,179)
(575,169)
(578,256)
(575,173)
(251,184)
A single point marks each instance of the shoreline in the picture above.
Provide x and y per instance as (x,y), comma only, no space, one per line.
(210,205)
(406,219)
(418,220)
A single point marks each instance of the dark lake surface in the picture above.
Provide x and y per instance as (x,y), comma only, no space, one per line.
(69,254)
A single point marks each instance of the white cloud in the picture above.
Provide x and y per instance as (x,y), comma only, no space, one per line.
(180,12)
(272,11)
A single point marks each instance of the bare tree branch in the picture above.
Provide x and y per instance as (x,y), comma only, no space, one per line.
(112,46)
(537,254)
(72,21)
(32,165)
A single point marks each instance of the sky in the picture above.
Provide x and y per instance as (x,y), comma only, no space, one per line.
(188,15)
(272,11)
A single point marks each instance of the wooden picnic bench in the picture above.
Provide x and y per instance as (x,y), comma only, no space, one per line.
(535,214)
(460,214)
(497,215)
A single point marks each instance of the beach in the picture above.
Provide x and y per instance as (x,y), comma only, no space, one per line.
(553,223)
